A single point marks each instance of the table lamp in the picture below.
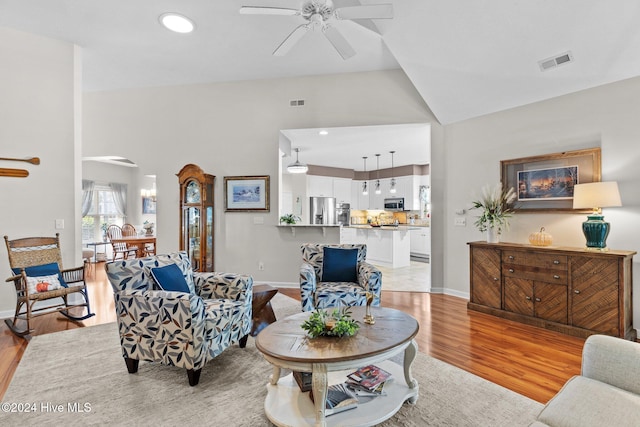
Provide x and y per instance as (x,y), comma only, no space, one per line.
(596,195)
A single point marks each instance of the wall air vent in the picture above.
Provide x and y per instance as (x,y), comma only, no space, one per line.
(555,61)
(296,103)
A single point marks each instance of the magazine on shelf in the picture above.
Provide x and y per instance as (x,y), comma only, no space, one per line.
(364,391)
(339,398)
(369,377)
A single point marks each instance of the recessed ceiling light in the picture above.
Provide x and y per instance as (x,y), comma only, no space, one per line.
(323,132)
(176,22)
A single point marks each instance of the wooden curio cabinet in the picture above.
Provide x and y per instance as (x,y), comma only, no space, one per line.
(196,216)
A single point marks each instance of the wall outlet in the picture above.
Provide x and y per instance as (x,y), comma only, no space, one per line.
(261,266)
(460,222)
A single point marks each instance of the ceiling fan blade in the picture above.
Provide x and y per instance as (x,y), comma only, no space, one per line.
(340,43)
(262,10)
(291,40)
(371,11)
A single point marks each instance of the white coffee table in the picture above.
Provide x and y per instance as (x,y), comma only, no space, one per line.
(285,345)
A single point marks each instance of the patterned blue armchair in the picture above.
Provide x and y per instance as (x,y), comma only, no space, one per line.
(183,329)
(319,294)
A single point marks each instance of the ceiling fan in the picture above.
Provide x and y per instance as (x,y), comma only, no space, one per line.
(319,14)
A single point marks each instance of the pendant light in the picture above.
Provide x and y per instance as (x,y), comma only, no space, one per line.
(297,167)
(365,190)
(377,189)
(393,180)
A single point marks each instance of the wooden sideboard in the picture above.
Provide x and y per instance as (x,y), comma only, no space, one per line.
(575,291)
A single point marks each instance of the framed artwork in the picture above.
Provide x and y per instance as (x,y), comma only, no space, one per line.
(148,205)
(246,193)
(545,182)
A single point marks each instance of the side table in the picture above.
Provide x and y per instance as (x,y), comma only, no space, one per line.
(262,312)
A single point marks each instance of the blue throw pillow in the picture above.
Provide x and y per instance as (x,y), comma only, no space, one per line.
(43,270)
(170,278)
(340,265)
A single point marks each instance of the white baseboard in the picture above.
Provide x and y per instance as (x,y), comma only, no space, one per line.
(293,285)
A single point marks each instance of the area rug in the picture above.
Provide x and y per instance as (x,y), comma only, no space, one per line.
(78,377)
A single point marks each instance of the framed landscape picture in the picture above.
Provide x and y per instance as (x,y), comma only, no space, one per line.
(545,182)
(246,193)
(148,205)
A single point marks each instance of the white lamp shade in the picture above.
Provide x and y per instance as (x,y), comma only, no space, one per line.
(596,195)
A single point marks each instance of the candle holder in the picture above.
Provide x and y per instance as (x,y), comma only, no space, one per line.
(368,317)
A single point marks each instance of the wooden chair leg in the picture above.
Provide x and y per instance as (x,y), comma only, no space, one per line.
(243,341)
(194,376)
(132,365)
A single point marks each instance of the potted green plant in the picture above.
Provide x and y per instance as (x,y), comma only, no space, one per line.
(337,323)
(289,219)
(104,227)
(497,206)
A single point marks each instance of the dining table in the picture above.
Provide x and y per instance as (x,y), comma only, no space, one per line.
(138,241)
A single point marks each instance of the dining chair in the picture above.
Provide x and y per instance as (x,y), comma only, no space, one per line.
(115,232)
(130,230)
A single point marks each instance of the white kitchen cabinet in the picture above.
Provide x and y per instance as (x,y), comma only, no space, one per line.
(376,201)
(359,200)
(421,242)
(385,246)
(347,235)
(319,186)
(342,190)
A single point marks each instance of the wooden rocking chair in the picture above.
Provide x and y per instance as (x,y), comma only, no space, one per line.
(38,256)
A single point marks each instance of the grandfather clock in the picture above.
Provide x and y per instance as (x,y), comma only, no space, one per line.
(196,216)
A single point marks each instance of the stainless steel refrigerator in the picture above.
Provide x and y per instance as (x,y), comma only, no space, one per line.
(322,210)
(343,213)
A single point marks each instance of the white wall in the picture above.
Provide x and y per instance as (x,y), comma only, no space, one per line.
(232,129)
(37,80)
(606,116)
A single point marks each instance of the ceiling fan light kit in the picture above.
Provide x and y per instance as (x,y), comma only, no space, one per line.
(297,166)
(319,14)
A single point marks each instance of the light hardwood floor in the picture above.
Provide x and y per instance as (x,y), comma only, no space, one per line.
(528,360)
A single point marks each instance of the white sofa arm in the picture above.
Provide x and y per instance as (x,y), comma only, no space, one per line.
(613,361)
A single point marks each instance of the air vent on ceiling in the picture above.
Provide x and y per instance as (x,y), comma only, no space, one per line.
(555,61)
(296,103)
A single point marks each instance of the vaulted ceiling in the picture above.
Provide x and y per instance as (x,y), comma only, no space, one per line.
(466,58)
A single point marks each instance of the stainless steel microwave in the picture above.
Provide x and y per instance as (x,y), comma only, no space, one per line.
(395,204)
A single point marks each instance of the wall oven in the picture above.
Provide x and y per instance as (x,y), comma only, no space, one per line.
(395,204)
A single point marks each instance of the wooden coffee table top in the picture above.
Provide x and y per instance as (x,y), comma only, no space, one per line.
(286,340)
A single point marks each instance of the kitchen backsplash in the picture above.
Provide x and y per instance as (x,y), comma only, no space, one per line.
(360,217)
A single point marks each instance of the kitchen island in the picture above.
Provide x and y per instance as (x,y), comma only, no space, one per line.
(389,246)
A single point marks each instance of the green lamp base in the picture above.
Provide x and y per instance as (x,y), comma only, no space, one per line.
(596,230)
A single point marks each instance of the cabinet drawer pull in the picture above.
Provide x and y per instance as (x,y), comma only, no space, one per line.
(511,270)
(576,291)
(556,262)
(495,279)
(528,298)
(511,257)
(555,276)
(538,299)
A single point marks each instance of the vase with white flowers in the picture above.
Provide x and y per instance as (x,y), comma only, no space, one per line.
(497,206)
